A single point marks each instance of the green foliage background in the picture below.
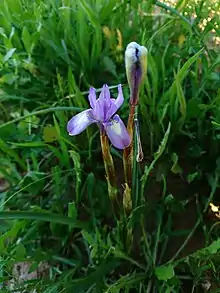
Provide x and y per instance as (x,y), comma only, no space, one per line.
(53,194)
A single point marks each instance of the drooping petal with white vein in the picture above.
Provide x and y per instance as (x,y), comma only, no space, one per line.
(117,132)
(79,122)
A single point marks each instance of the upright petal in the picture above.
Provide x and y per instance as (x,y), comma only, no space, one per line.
(92,97)
(79,122)
(117,133)
(120,99)
(105,93)
(99,110)
(103,104)
(115,103)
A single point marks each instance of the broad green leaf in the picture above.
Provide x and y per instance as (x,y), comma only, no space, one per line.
(164,272)
(50,133)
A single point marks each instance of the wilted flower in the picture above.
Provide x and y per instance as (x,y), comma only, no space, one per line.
(102,112)
(136,67)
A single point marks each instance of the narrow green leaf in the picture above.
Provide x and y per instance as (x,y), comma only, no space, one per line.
(77,168)
(9,55)
(42,216)
(41,112)
(184,70)
(11,153)
(72,211)
(157,155)
(28,144)
(26,38)
(93,17)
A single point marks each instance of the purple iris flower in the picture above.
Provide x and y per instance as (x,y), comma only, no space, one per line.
(102,112)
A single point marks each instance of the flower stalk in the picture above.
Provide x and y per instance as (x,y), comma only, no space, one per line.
(136,67)
(109,166)
(128,152)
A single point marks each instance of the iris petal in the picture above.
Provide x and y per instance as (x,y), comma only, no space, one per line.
(92,97)
(103,104)
(115,104)
(117,132)
(99,110)
(120,99)
(105,93)
(79,122)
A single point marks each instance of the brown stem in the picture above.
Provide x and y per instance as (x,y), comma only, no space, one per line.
(109,166)
(128,152)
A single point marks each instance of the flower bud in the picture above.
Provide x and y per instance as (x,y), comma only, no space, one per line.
(136,67)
